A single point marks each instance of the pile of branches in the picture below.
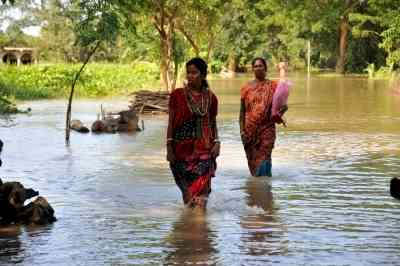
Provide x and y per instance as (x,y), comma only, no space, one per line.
(150,102)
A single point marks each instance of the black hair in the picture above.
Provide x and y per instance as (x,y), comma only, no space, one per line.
(261,59)
(201,65)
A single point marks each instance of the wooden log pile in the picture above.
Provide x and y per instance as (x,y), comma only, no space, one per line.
(150,102)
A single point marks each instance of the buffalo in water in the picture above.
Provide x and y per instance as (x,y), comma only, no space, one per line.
(12,204)
(124,121)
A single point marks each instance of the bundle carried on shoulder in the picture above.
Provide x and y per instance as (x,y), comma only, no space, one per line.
(279,101)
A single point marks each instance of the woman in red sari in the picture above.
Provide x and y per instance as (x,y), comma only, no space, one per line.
(256,127)
(192,137)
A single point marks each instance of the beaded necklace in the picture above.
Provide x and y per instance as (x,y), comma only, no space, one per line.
(199,109)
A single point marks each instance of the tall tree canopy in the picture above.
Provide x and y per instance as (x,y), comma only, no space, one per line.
(345,35)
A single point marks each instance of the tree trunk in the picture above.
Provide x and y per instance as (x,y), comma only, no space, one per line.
(211,41)
(166,30)
(189,38)
(232,63)
(71,95)
(171,59)
(344,29)
(164,64)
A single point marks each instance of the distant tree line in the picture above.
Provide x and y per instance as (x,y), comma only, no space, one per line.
(345,35)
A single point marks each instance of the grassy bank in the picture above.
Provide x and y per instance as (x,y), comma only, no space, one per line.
(54,80)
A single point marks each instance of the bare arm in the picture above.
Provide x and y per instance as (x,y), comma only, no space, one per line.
(282,66)
(241,116)
(217,144)
(170,134)
(214,128)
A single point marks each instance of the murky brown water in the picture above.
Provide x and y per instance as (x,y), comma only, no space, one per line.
(328,202)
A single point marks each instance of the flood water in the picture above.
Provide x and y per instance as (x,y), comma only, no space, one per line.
(327,203)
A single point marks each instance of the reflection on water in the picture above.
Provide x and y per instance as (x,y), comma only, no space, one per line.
(116,201)
(10,244)
(263,233)
(191,240)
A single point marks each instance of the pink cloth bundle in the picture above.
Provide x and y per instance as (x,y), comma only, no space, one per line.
(279,101)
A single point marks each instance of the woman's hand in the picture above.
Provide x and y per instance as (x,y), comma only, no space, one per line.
(282,67)
(170,154)
(283,110)
(215,150)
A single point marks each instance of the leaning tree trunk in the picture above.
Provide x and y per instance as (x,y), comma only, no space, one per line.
(167,60)
(71,95)
(164,68)
(172,67)
(344,29)
(210,47)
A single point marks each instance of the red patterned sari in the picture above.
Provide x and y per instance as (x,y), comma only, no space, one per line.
(258,134)
(193,134)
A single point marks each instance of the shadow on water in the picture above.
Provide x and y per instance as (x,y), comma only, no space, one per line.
(263,233)
(191,240)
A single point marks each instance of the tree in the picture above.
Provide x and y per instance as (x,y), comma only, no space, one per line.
(57,32)
(98,23)
(9,1)
(200,25)
(380,22)
(391,43)
(171,20)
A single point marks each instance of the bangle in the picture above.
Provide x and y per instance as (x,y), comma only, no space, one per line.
(169,140)
(217,141)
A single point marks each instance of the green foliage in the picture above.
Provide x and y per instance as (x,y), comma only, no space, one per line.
(14,36)
(216,65)
(383,73)
(9,1)
(7,106)
(391,43)
(362,52)
(95,21)
(222,32)
(52,81)
(371,70)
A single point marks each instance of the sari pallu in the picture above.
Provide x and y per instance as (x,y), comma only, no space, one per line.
(259,132)
(193,140)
